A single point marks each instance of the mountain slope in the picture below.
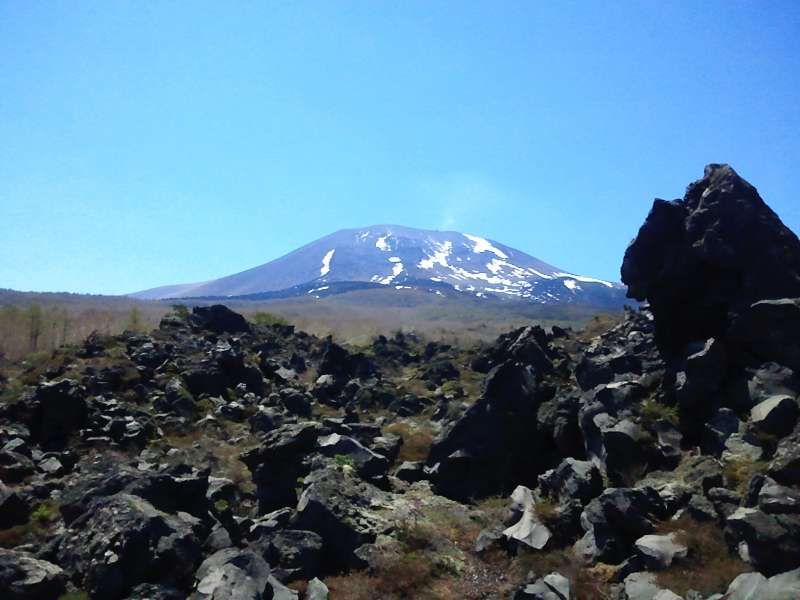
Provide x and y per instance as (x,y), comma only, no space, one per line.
(390,255)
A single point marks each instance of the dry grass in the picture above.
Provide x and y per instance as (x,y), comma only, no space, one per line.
(457,528)
(405,575)
(493,509)
(221,455)
(432,560)
(588,583)
(739,472)
(547,511)
(417,439)
(323,411)
(598,325)
(709,568)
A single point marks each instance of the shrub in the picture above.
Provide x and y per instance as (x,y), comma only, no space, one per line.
(417,440)
(738,472)
(34,531)
(180,310)
(651,411)
(267,319)
(494,509)
(344,461)
(11,392)
(415,536)
(45,513)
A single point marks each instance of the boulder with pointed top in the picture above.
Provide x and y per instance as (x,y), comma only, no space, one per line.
(702,260)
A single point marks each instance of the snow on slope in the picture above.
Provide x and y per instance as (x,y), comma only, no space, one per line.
(397,256)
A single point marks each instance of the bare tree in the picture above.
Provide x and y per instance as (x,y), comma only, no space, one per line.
(34,317)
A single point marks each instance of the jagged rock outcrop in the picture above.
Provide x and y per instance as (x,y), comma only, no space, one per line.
(492,446)
(341,509)
(703,260)
(277,463)
(123,540)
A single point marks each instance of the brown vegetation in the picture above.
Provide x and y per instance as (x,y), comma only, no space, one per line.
(739,472)
(417,439)
(709,567)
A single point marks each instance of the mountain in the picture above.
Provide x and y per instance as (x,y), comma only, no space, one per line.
(383,256)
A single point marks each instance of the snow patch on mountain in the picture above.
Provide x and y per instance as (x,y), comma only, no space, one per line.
(326,263)
(439,257)
(585,279)
(484,245)
(381,244)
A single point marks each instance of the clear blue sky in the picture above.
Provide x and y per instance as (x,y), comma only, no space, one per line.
(151,143)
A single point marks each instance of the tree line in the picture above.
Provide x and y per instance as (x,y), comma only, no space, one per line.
(42,328)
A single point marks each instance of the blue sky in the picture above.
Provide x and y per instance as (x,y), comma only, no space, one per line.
(144,144)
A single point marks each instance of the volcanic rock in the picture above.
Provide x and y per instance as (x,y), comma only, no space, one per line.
(701,260)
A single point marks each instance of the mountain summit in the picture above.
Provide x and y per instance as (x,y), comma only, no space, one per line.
(401,257)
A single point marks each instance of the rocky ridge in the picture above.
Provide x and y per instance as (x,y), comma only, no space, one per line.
(214,458)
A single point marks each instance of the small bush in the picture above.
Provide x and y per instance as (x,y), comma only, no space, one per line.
(11,392)
(45,513)
(415,536)
(343,461)
(34,531)
(417,440)
(453,387)
(267,319)
(180,310)
(738,472)
(494,509)
(651,411)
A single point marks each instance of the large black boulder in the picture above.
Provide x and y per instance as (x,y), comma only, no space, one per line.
(527,345)
(295,554)
(769,330)
(218,318)
(493,447)
(13,509)
(24,577)
(702,260)
(278,463)
(234,574)
(785,465)
(342,364)
(61,410)
(617,518)
(341,509)
(770,542)
(122,541)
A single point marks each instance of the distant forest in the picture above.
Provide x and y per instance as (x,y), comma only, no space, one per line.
(40,322)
